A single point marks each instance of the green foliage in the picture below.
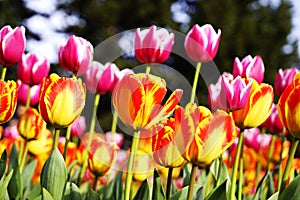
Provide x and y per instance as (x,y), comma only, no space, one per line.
(3,161)
(143,192)
(114,190)
(157,192)
(3,184)
(182,194)
(15,186)
(218,193)
(292,191)
(72,192)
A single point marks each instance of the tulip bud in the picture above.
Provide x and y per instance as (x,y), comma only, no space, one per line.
(78,127)
(23,93)
(283,79)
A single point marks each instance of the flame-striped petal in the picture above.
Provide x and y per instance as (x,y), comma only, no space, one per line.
(8,100)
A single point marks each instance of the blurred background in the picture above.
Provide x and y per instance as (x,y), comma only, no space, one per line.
(269,28)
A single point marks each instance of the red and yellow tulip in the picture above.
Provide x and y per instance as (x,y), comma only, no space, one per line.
(8,99)
(204,136)
(289,107)
(137,99)
(258,108)
(61,95)
(31,125)
(43,145)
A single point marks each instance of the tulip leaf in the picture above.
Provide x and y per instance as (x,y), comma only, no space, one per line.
(4,183)
(28,173)
(274,196)
(3,161)
(46,195)
(218,193)
(34,193)
(266,181)
(157,192)
(182,194)
(215,168)
(114,190)
(186,174)
(15,184)
(143,192)
(92,195)
(292,191)
(54,175)
(72,192)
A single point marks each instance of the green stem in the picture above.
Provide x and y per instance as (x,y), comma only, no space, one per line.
(95,183)
(24,157)
(258,166)
(192,182)
(235,165)
(114,122)
(196,77)
(68,133)
(280,162)
(21,150)
(133,150)
(148,69)
(4,69)
(169,183)
(28,99)
(288,165)
(56,138)
(219,171)
(90,138)
(271,152)
(240,191)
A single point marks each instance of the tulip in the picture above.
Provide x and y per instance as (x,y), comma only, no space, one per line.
(203,136)
(283,79)
(11,131)
(76,55)
(201,43)
(41,146)
(236,92)
(78,127)
(118,138)
(31,125)
(61,100)
(152,45)
(12,45)
(8,99)
(249,68)
(101,79)
(273,123)
(23,93)
(164,148)
(137,99)
(258,107)
(289,107)
(143,166)
(32,69)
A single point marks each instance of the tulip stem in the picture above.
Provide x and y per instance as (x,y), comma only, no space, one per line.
(271,152)
(148,69)
(114,122)
(196,77)
(24,157)
(4,69)
(67,141)
(90,138)
(235,165)
(192,182)
(240,193)
(21,150)
(169,183)
(95,183)
(56,138)
(219,171)
(288,165)
(280,161)
(133,150)
(28,99)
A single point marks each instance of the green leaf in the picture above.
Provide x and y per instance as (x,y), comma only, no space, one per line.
(3,161)
(4,183)
(143,192)
(69,169)
(292,191)
(35,192)
(92,195)
(157,192)
(54,175)
(218,193)
(114,190)
(15,187)
(27,175)
(214,169)
(182,194)
(186,174)
(260,187)
(46,195)
(72,192)
(274,196)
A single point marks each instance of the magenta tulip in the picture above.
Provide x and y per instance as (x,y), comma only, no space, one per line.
(254,139)
(78,127)
(202,43)
(283,79)
(152,45)
(33,68)
(76,55)
(249,68)
(23,93)
(273,123)
(12,45)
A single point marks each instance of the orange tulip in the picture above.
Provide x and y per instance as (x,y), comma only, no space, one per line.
(289,107)
(203,136)
(165,150)
(61,100)
(31,125)
(137,99)
(8,99)
(258,108)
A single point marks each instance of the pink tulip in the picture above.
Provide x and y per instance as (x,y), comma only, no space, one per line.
(23,93)
(101,78)
(273,123)
(152,45)
(254,139)
(78,127)
(33,68)
(76,55)
(114,137)
(283,79)
(236,92)
(11,131)
(12,45)
(201,43)
(249,68)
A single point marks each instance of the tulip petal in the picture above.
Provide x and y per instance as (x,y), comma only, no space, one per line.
(292,107)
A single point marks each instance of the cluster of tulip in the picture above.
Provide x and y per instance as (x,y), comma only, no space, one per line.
(241,145)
